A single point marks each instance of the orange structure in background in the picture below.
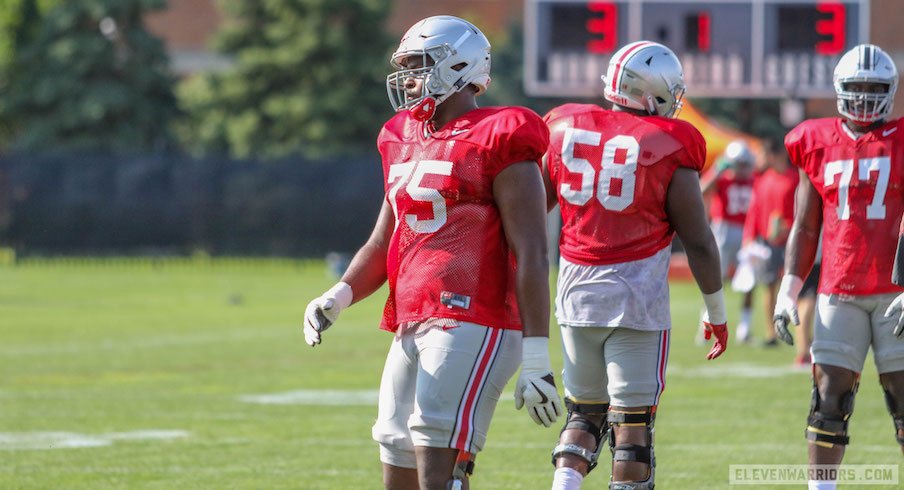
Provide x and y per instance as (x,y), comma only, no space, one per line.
(717,138)
(716,135)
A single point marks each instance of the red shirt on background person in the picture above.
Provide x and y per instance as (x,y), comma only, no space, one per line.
(731,199)
(772,205)
(769,222)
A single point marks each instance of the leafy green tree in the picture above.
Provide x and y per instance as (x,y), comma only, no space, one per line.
(308,78)
(19,20)
(19,23)
(92,79)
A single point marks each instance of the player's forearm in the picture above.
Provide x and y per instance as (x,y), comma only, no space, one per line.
(367,271)
(801,252)
(532,290)
(804,236)
(703,260)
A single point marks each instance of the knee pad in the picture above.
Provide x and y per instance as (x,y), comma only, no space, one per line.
(827,426)
(633,452)
(897,417)
(578,420)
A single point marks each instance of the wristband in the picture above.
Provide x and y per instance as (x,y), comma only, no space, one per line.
(715,308)
(790,287)
(535,354)
(341,294)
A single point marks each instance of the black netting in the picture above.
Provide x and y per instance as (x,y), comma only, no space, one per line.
(174,204)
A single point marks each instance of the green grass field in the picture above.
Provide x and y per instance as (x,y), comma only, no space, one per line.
(135,377)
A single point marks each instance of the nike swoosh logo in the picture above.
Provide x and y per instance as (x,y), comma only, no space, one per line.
(888,132)
(456,132)
(543,397)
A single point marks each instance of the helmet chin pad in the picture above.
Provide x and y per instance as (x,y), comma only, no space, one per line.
(424,110)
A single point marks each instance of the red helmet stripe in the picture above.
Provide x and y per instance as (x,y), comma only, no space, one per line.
(621,61)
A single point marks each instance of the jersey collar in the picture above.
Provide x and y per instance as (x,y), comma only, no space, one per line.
(882,131)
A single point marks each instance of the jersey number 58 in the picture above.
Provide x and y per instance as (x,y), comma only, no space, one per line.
(619,164)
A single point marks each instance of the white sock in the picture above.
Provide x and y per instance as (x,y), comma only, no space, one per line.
(746,315)
(743,330)
(821,484)
(567,479)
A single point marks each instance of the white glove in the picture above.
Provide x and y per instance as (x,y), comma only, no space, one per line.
(786,307)
(323,311)
(896,310)
(536,388)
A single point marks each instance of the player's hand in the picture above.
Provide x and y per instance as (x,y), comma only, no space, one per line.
(322,312)
(785,313)
(536,388)
(896,310)
(724,164)
(715,323)
(720,332)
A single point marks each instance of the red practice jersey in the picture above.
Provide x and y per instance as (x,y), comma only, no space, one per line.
(448,257)
(861,181)
(611,172)
(731,198)
(771,211)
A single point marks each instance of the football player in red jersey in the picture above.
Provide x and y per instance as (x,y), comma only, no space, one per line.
(852,173)
(464,203)
(730,186)
(626,180)
(768,224)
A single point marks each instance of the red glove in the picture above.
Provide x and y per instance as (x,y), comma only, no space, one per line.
(721,342)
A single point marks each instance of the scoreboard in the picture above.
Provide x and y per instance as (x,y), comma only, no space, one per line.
(728,48)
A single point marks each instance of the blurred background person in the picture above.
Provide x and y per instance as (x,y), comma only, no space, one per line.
(728,186)
(806,308)
(768,224)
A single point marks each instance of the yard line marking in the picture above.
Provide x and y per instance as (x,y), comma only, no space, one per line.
(44,440)
(316,397)
(735,370)
(159,341)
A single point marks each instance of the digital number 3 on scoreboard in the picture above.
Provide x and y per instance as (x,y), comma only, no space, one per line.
(729,48)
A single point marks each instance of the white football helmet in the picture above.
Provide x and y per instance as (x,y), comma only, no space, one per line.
(646,76)
(459,55)
(739,153)
(865,63)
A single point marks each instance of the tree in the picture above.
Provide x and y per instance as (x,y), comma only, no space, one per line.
(19,23)
(19,20)
(308,78)
(92,79)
